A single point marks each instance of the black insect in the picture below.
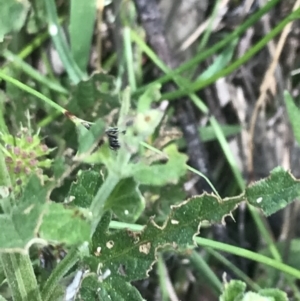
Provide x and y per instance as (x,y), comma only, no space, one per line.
(113,134)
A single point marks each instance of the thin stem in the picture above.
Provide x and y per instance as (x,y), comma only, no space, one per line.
(33,92)
(58,273)
(17,267)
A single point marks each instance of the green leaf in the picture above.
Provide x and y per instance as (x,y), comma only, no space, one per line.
(37,18)
(207,133)
(64,225)
(87,138)
(82,19)
(220,62)
(12,16)
(294,114)
(235,291)
(95,96)
(85,188)
(33,218)
(110,288)
(274,293)
(161,174)
(126,201)
(152,94)
(275,192)
(131,254)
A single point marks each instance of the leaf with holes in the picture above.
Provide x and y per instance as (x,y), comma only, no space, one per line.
(131,254)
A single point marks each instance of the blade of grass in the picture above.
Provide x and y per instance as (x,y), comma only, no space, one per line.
(82,20)
(60,42)
(234,269)
(204,269)
(26,68)
(129,58)
(200,84)
(162,275)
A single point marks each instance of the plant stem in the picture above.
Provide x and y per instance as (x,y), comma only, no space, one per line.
(97,206)
(20,277)
(57,274)
(17,267)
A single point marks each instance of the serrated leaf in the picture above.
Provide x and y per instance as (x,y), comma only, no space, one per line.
(126,201)
(294,114)
(95,96)
(275,192)
(131,254)
(161,174)
(12,16)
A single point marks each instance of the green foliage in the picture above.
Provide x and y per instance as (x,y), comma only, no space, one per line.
(294,115)
(82,19)
(12,16)
(102,189)
(235,291)
(275,192)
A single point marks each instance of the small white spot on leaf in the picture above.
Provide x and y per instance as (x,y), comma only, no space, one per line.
(98,251)
(110,244)
(145,248)
(174,222)
(53,30)
(4,192)
(126,212)
(259,200)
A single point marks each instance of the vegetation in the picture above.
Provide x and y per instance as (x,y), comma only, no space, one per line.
(95,172)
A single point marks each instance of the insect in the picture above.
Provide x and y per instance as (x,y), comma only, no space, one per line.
(112,134)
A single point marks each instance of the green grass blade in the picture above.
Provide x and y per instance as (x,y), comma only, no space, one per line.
(60,42)
(82,20)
